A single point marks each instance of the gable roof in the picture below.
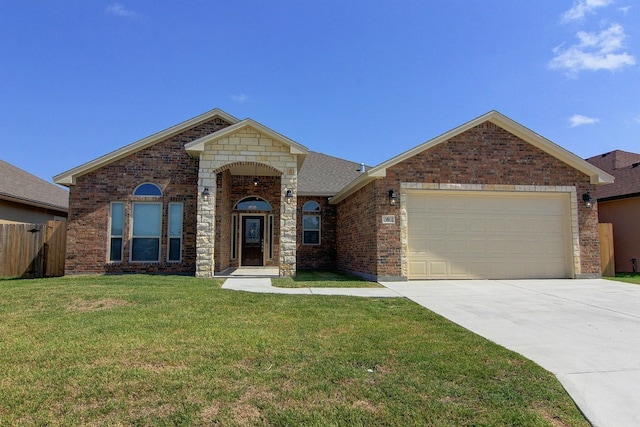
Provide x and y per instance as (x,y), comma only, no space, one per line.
(597,176)
(69,177)
(196,147)
(625,167)
(323,175)
(19,186)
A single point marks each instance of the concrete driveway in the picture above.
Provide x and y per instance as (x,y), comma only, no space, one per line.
(586,332)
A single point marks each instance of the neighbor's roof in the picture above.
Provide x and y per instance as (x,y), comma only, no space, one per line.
(597,176)
(19,186)
(69,177)
(625,167)
(323,175)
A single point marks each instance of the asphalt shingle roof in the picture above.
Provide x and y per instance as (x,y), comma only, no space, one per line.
(324,175)
(625,167)
(19,185)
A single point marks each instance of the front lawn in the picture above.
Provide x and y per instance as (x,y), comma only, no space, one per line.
(626,277)
(153,350)
(323,279)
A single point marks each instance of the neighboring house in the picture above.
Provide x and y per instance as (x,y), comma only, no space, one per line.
(619,204)
(27,198)
(488,199)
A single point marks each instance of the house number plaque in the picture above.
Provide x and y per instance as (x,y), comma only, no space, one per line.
(388,219)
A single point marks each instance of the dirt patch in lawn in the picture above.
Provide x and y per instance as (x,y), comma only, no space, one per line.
(101,304)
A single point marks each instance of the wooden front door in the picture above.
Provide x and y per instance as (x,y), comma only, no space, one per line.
(252,240)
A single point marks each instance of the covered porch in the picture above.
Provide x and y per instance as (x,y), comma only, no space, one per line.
(247,187)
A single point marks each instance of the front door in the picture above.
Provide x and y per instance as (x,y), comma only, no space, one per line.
(252,240)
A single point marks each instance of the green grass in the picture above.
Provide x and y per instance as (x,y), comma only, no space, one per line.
(323,279)
(154,350)
(626,277)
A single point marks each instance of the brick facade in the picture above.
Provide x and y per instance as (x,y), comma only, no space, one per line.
(165,164)
(485,154)
(322,256)
(353,235)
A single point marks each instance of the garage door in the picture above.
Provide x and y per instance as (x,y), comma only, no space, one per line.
(490,235)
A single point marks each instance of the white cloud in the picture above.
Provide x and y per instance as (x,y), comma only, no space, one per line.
(240,99)
(582,7)
(594,51)
(119,10)
(579,120)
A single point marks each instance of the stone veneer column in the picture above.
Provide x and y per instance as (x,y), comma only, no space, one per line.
(206,227)
(288,223)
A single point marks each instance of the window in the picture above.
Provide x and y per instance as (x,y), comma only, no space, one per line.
(116,231)
(148,190)
(146,226)
(253,204)
(175,232)
(311,223)
(234,236)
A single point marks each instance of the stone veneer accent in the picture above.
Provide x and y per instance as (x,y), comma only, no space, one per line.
(246,146)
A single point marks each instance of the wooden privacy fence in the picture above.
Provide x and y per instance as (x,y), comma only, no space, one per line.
(33,250)
(607,260)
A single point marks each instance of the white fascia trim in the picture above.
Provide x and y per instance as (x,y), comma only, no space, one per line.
(69,177)
(196,147)
(596,175)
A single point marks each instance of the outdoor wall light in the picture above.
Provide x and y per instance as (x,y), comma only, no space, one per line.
(588,201)
(393,197)
(289,195)
(205,193)
(256,181)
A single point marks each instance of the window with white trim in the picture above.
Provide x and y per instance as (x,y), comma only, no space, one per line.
(311,223)
(174,238)
(116,231)
(145,232)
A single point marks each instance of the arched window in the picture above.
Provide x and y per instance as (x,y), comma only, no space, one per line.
(146,223)
(253,204)
(148,190)
(311,206)
(311,223)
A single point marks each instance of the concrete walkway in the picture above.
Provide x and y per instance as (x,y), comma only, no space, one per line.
(586,332)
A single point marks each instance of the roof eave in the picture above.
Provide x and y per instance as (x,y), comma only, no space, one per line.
(597,176)
(194,148)
(34,203)
(68,178)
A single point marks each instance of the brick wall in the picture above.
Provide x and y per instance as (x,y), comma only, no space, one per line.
(357,233)
(322,256)
(485,154)
(165,164)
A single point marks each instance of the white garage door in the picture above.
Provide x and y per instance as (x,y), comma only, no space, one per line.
(488,235)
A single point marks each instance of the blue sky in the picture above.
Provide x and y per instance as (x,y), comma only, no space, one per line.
(361,80)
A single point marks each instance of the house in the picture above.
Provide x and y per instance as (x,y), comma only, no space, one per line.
(488,199)
(619,204)
(29,199)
